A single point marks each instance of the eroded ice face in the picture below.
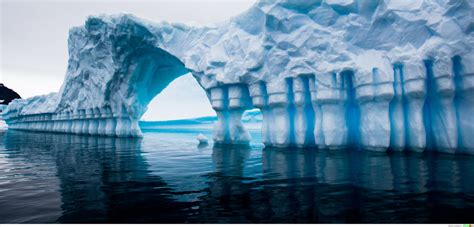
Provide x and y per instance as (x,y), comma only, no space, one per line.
(324,73)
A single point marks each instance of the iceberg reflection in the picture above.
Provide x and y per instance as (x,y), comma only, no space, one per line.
(80,179)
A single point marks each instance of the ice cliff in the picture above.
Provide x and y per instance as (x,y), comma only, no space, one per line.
(325,73)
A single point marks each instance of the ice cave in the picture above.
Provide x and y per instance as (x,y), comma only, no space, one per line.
(328,74)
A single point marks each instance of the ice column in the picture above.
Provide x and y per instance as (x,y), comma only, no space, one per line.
(329,103)
(68,127)
(125,125)
(219,104)
(279,103)
(85,122)
(93,122)
(230,102)
(101,124)
(55,122)
(63,121)
(77,126)
(444,133)
(318,129)
(48,126)
(464,70)
(110,122)
(304,114)
(397,116)
(374,91)
(238,103)
(135,130)
(414,93)
(258,92)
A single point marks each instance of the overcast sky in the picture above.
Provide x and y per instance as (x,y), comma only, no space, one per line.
(33,44)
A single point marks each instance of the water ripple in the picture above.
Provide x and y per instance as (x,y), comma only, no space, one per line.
(165,177)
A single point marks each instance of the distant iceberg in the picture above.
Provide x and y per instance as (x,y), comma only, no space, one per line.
(329,74)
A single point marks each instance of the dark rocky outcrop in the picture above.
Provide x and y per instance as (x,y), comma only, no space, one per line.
(7,95)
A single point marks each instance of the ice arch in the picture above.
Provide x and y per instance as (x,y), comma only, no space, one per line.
(152,71)
(117,66)
(145,72)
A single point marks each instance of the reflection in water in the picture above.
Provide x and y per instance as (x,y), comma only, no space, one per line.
(102,179)
(224,201)
(164,178)
(27,173)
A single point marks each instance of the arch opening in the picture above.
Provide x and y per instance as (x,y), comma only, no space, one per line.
(183,98)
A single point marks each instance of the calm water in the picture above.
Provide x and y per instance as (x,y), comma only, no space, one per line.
(166,178)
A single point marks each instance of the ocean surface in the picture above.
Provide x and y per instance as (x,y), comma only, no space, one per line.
(165,177)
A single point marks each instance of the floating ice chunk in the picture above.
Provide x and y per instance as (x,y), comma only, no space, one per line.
(202,138)
(3,125)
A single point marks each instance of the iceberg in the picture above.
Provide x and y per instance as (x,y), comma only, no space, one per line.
(329,74)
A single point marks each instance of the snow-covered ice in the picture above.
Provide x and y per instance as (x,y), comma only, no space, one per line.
(325,73)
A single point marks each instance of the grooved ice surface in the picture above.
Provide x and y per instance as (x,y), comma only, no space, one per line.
(380,74)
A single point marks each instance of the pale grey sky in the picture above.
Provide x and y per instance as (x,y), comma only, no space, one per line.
(33,43)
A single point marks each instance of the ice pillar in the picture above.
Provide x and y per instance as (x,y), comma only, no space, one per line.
(110,122)
(101,124)
(444,132)
(317,131)
(374,91)
(258,92)
(464,70)
(414,93)
(281,129)
(397,116)
(329,98)
(238,102)
(94,121)
(229,102)
(219,104)
(304,114)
